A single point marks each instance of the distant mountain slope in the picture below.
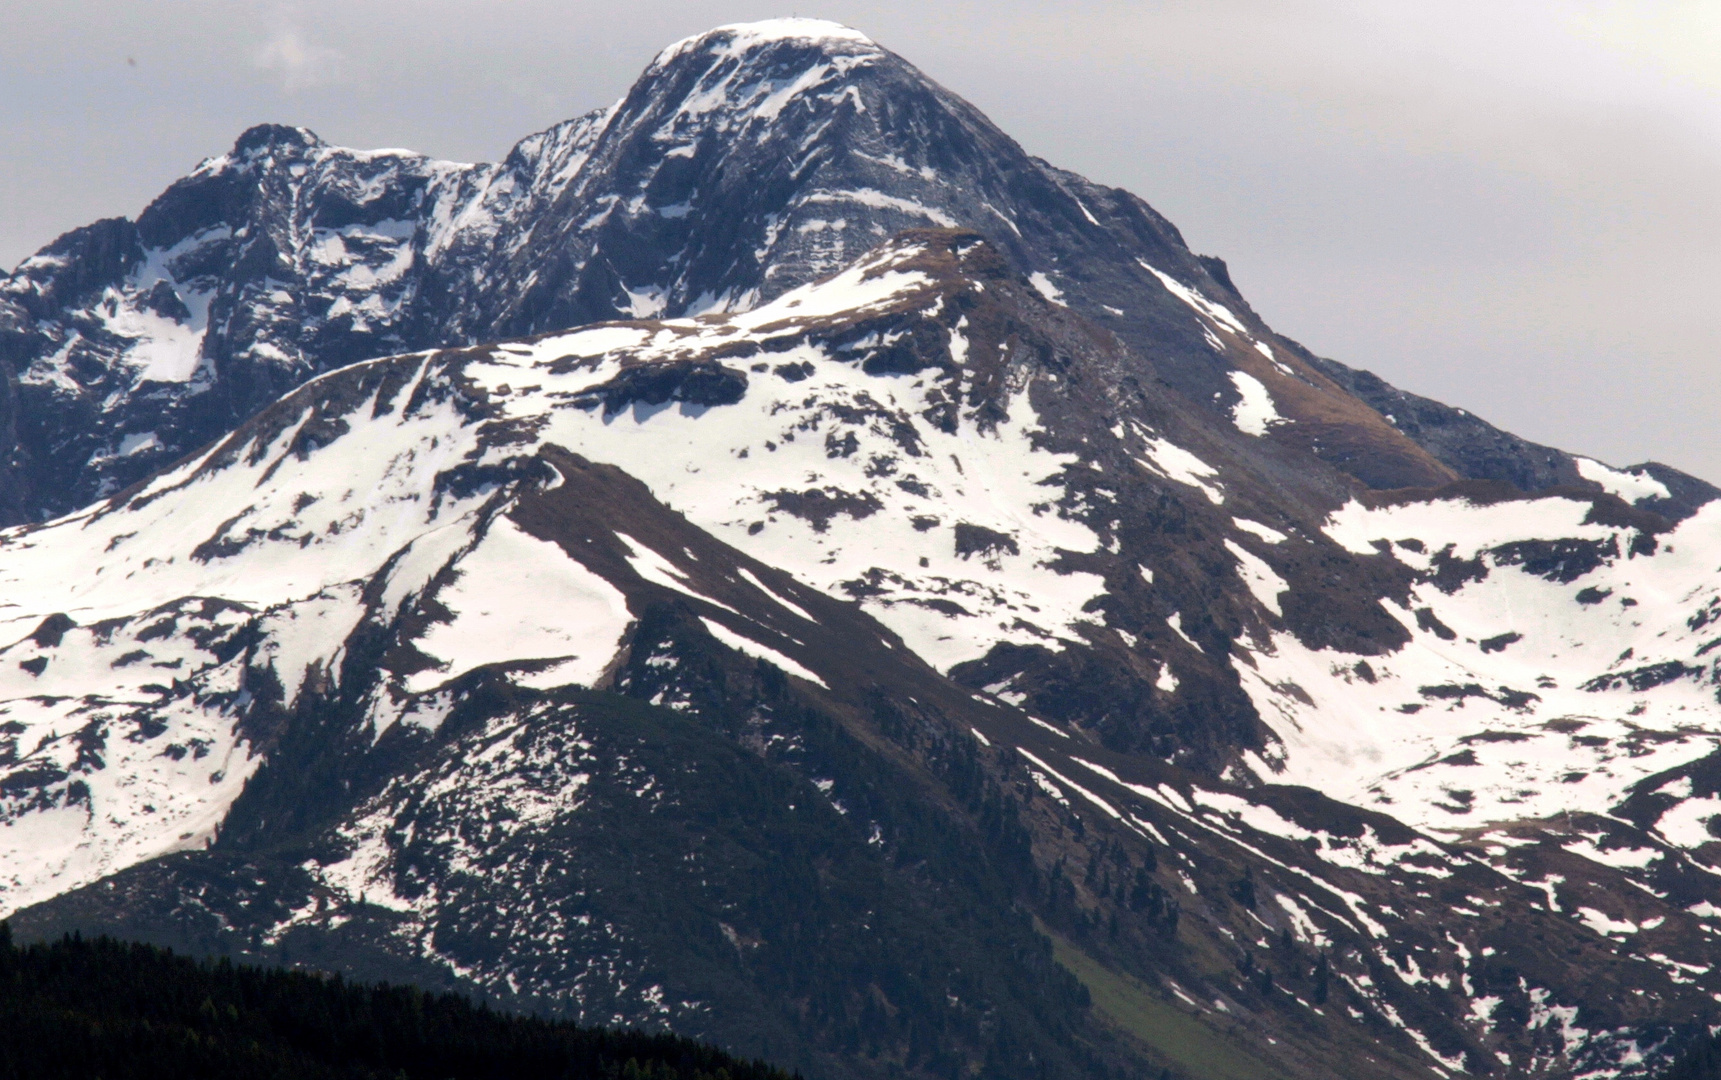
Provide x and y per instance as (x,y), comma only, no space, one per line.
(1476,449)
(75,1009)
(743,163)
(889,679)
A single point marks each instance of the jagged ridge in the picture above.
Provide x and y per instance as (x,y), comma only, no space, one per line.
(743,163)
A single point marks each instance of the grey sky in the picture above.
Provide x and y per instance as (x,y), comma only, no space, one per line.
(1513,206)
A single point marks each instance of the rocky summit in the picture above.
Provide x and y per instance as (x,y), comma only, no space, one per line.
(773,562)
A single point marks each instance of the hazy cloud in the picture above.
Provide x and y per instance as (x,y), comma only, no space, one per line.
(1681,38)
(299,63)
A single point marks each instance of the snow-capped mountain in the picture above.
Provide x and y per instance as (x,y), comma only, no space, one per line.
(348,638)
(743,163)
(790,671)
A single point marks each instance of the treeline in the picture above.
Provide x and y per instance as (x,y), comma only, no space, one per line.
(101,1009)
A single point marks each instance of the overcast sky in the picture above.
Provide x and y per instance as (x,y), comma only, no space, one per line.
(1513,206)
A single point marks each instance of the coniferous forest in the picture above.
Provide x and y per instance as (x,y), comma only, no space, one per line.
(101,1009)
(1701,1061)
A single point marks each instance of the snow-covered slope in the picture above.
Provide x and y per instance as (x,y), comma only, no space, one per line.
(917,526)
(743,163)
(1534,620)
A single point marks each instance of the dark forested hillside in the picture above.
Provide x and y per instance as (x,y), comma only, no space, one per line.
(1701,1061)
(109,1009)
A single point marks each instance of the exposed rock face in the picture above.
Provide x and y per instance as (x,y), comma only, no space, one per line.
(743,163)
(1474,448)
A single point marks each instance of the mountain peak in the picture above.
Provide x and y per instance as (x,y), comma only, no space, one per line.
(734,39)
(261,136)
(749,160)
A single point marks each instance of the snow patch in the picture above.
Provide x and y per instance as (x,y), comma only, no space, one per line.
(1174,462)
(1255,528)
(1630,486)
(752,648)
(1216,312)
(521,598)
(1254,414)
(1043,285)
(1262,581)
